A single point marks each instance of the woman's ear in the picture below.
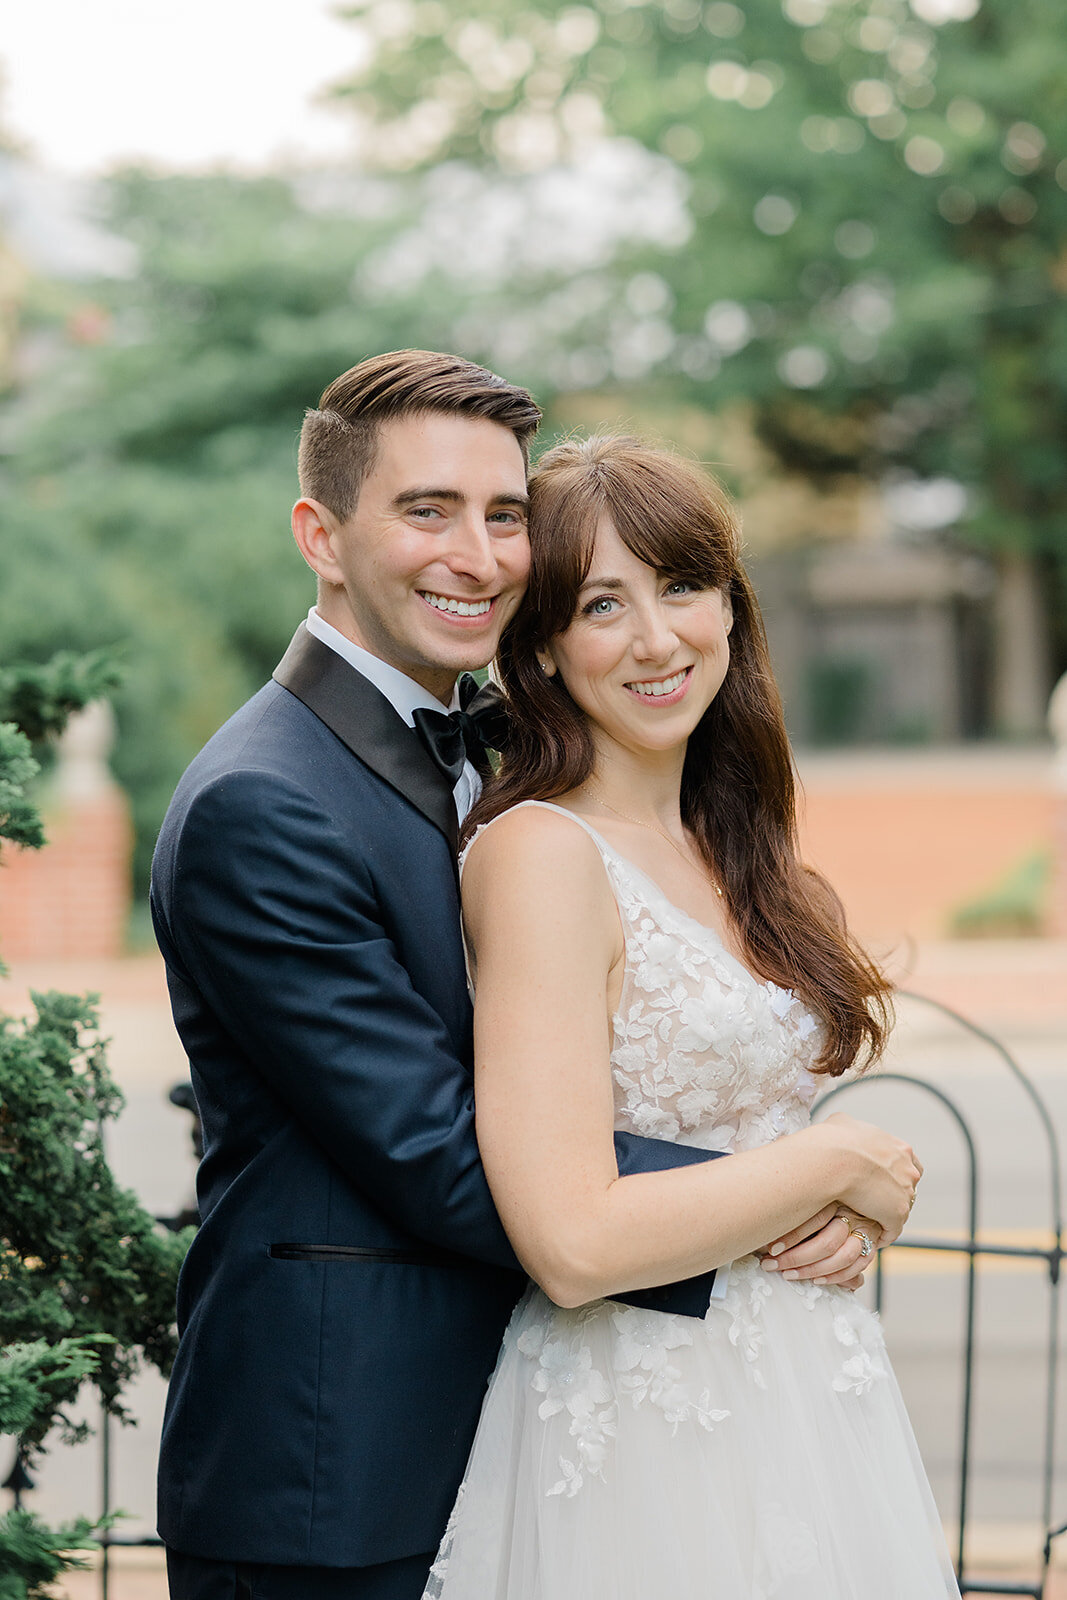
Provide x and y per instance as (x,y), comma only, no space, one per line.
(546,663)
(727,609)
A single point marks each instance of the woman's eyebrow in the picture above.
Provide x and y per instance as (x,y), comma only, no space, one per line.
(602,583)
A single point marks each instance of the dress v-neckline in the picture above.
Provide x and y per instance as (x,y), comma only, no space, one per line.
(765,984)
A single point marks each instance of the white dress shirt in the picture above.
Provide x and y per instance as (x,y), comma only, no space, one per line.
(403,694)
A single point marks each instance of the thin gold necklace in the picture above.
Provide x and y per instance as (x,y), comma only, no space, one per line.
(660,832)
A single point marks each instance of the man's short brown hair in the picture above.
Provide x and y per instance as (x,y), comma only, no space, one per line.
(339,440)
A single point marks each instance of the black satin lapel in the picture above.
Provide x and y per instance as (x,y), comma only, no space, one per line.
(363,719)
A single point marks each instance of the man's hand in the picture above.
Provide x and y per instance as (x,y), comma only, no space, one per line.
(828,1248)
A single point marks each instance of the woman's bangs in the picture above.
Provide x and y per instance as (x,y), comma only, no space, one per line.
(563,530)
(665,515)
(689,551)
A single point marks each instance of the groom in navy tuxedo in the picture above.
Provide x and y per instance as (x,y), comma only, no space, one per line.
(342,1304)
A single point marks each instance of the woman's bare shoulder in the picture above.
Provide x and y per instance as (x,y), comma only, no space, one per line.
(534,883)
(534,846)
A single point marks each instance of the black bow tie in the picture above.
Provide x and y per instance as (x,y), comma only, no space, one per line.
(453,737)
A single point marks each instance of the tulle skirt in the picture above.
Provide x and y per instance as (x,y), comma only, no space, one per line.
(761,1454)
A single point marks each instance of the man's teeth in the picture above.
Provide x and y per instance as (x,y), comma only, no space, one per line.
(665,686)
(460,608)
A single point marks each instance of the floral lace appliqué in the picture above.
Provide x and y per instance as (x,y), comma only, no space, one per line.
(740,1313)
(644,1340)
(703,1051)
(566,1377)
(864,1366)
(786,1548)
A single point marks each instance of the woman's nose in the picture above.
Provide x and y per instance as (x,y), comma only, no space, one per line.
(654,636)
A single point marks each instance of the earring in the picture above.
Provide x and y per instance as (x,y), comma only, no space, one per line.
(547,667)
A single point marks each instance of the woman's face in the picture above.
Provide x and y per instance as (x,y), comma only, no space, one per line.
(645,654)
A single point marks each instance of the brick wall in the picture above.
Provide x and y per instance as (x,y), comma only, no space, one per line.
(70,901)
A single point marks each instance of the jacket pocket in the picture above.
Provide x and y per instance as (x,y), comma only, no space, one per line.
(425,1256)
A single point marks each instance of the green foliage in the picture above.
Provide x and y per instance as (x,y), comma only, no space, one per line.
(86,1280)
(39,699)
(877,201)
(34,1556)
(40,1379)
(1014,908)
(79,1256)
(19,818)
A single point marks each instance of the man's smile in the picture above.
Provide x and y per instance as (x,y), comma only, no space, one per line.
(451,607)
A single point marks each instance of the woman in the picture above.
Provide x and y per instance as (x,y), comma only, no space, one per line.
(650,954)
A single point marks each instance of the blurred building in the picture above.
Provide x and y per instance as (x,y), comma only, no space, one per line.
(881,642)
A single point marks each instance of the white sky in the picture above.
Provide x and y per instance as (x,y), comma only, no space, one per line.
(90,84)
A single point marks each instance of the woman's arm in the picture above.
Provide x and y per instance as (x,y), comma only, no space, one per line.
(545,929)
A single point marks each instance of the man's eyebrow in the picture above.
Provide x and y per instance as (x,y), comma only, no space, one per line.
(409,497)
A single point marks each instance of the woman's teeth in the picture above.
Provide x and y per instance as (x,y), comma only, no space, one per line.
(664,686)
(461,608)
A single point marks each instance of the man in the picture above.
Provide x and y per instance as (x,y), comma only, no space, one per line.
(342,1304)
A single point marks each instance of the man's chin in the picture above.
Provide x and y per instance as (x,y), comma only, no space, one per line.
(462,655)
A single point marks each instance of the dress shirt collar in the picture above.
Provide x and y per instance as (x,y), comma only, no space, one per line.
(403,693)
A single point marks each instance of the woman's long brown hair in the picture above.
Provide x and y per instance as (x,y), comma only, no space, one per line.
(738,796)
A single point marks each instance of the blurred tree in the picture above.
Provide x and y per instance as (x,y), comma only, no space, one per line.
(151,446)
(877,213)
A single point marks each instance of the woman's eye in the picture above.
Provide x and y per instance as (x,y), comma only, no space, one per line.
(602,606)
(682,586)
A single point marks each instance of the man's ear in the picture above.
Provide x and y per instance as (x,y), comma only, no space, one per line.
(314,526)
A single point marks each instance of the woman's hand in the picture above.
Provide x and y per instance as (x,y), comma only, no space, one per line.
(827,1249)
(888,1173)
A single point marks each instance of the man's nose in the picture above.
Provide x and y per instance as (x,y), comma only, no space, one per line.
(470,550)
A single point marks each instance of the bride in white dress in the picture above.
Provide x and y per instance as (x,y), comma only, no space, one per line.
(651,956)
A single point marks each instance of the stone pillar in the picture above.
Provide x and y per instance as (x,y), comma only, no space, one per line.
(70,901)
(1057,720)
(1021,669)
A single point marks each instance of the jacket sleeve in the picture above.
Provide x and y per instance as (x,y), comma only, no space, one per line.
(277,922)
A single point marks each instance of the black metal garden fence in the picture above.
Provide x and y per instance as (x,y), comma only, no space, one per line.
(971,1246)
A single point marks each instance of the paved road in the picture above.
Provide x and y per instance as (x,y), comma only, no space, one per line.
(924,1294)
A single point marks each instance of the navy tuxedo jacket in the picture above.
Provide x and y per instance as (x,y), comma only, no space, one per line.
(343,1301)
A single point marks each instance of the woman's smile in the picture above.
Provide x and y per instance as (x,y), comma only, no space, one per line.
(662,691)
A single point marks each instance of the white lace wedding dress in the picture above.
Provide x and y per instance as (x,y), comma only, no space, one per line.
(763,1453)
